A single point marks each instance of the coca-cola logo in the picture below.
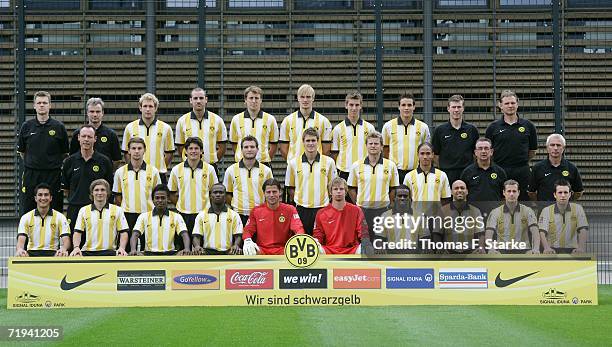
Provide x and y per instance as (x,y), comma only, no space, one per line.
(249,279)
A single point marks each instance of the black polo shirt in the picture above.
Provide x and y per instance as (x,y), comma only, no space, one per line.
(454,146)
(77,175)
(544,175)
(107,143)
(484,185)
(512,143)
(44,145)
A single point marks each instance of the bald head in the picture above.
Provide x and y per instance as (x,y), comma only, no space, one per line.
(459,190)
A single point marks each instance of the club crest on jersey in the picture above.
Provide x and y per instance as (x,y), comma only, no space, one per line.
(464,135)
(53,225)
(521,129)
(565,173)
(494,176)
(418,133)
(264,127)
(212,129)
(95,168)
(281,219)
(323,171)
(172,225)
(52,132)
(261,175)
(159,134)
(386,171)
(437,180)
(104,139)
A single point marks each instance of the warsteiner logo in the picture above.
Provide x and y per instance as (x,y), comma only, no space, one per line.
(565,173)
(464,135)
(302,250)
(494,176)
(104,139)
(521,129)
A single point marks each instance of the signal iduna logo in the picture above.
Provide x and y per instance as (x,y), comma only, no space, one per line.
(249,279)
(301,250)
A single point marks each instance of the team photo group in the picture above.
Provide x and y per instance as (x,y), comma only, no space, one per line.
(402,189)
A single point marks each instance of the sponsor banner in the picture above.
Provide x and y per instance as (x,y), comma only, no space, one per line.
(141,280)
(357,278)
(191,280)
(463,278)
(43,283)
(410,278)
(302,279)
(249,279)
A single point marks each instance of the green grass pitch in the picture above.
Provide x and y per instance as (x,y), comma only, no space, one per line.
(265,326)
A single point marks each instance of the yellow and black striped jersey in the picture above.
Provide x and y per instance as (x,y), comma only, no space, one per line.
(101,227)
(192,186)
(403,141)
(562,228)
(310,180)
(245,185)
(217,230)
(294,125)
(211,130)
(348,140)
(43,233)
(373,182)
(160,230)
(135,187)
(264,128)
(158,140)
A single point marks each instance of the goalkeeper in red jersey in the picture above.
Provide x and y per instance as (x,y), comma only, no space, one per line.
(273,223)
(340,227)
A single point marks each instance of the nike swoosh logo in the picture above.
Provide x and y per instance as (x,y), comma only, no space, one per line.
(76,169)
(446,136)
(502,130)
(65,285)
(32,133)
(500,283)
(546,174)
(474,177)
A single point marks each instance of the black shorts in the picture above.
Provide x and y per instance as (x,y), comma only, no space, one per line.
(521,175)
(369,214)
(30,179)
(131,219)
(149,253)
(401,174)
(104,253)
(189,219)
(307,216)
(42,253)
(210,251)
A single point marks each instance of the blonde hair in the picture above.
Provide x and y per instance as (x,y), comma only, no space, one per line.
(305,89)
(148,97)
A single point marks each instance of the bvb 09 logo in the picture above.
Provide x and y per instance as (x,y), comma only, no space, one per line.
(301,250)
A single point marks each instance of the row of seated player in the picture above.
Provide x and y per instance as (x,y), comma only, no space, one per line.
(340,227)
